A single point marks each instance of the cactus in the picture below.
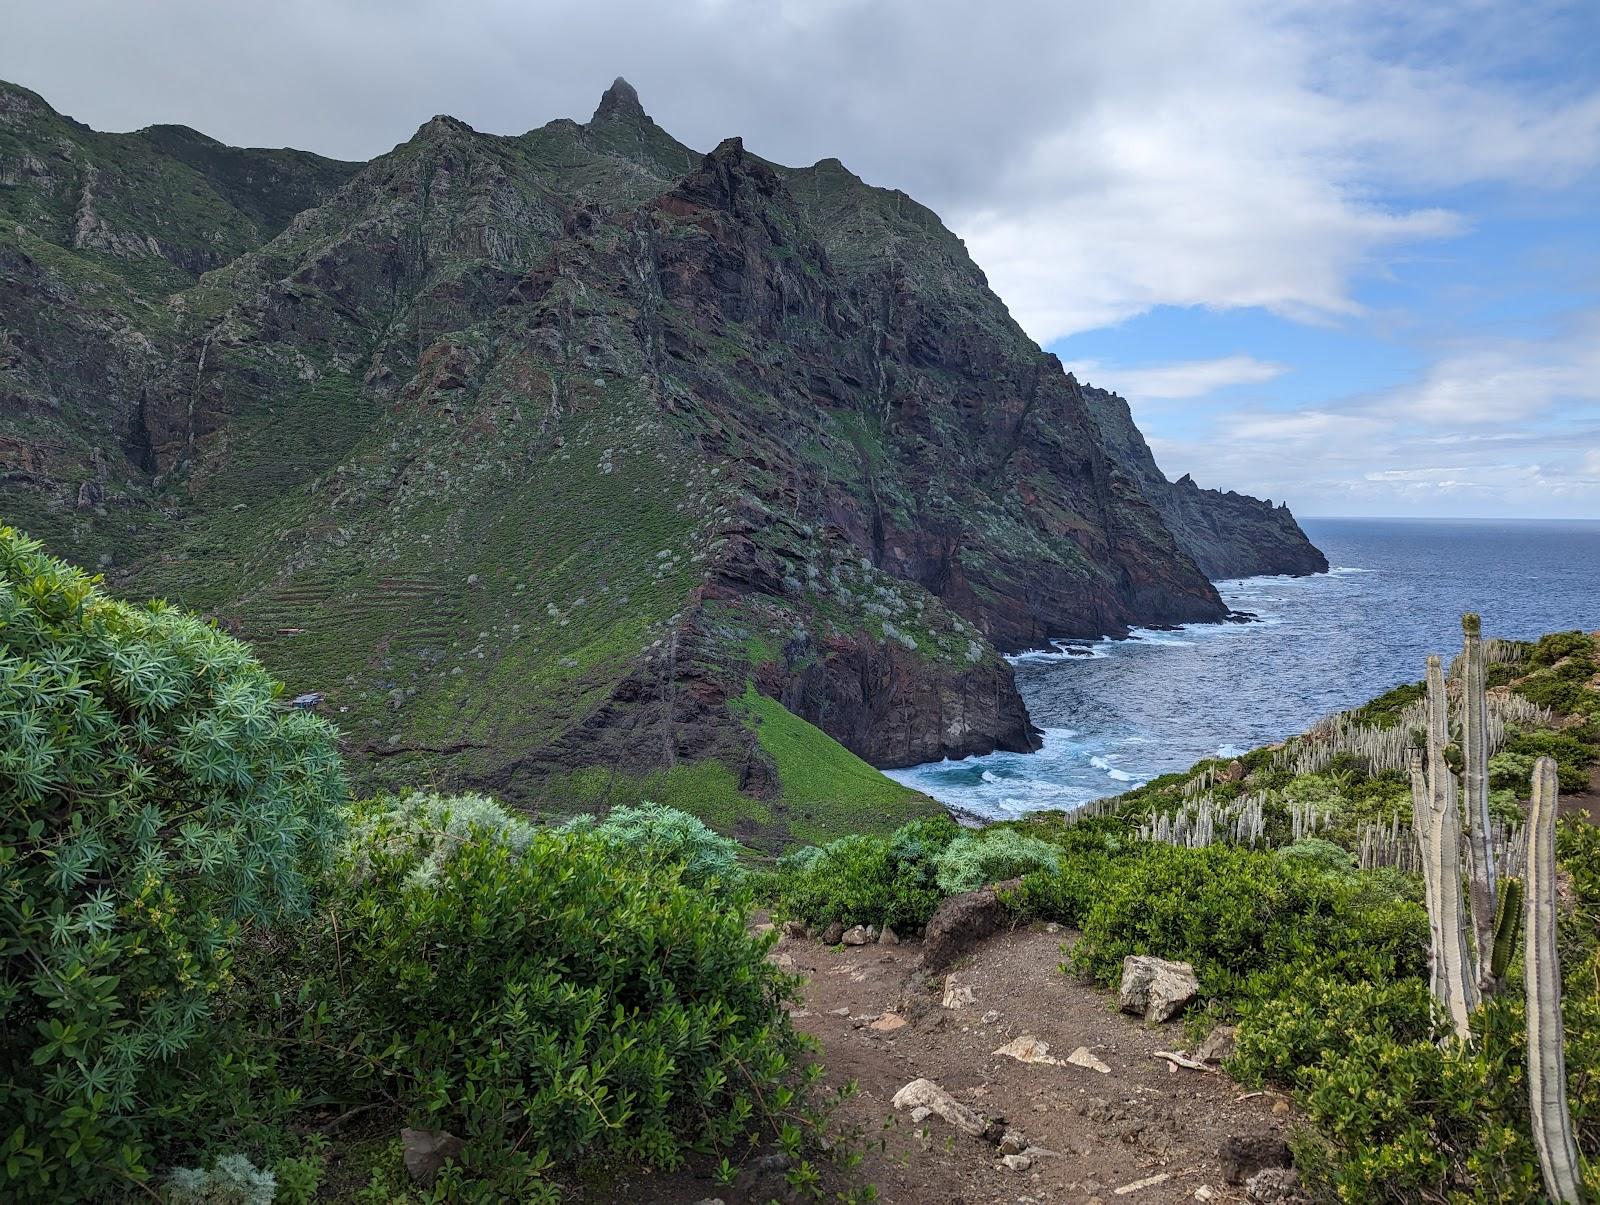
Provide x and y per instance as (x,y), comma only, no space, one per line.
(1455,976)
(1505,929)
(1547,1075)
(1475,800)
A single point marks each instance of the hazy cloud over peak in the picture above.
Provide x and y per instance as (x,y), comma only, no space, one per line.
(1307,163)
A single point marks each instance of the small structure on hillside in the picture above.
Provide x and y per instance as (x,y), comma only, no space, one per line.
(306,702)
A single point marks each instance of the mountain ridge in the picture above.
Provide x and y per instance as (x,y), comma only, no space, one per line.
(575,464)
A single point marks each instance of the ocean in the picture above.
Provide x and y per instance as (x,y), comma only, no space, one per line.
(1116,713)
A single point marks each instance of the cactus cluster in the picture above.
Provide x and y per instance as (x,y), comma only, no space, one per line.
(1473,933)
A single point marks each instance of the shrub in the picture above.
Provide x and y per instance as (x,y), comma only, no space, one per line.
(552,1001)
(663,836)
(1574,749)
(1511,772)
(974,860)
(1281,1036)
(1318,854)
(1247,920)
(156,800)
(231,1180)
(862,880)
(1558,646)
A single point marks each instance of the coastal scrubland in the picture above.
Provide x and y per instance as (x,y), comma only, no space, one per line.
(222,978)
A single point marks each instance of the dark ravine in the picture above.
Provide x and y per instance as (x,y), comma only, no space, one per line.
(554,451)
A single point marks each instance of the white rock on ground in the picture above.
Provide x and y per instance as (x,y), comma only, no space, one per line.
(957,995)
(924,1093)
(1155,988)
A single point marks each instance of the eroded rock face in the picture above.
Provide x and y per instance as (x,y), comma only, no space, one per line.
(959,923)
(1154,988)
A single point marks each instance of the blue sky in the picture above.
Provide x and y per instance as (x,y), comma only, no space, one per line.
(1344,253)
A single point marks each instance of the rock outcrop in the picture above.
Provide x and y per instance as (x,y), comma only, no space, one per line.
(574,465)
(1227,534)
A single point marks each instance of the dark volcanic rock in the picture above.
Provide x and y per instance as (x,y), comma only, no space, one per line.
(1227,534)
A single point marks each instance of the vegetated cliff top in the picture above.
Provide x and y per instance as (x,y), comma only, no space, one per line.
(576,464)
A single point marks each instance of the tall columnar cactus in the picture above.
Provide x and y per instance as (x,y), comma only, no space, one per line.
(1438,822)
(1547,1073)
(1475,801)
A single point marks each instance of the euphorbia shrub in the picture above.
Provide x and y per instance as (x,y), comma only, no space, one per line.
(155,797)
(549,997)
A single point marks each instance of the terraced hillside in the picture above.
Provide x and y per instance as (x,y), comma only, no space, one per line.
(575,465)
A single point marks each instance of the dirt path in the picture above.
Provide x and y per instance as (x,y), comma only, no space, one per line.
(1136,1122)
(1584,803)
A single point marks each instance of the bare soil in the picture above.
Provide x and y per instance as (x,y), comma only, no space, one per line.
(1142,1120)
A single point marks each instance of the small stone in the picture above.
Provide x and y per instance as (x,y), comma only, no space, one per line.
(888,1023)
(1026,1048)
(1017,1163)
(1205,1193)
(784,962)
(926,1093)
(427,1151)
(857,935)
(957,995)
(1084,1057)
(832,934)
(839,1012)
(990,1017)
(1013,1143)
(888,937)
(921,1113)
(1218,1045)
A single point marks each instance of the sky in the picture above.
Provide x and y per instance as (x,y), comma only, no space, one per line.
(1344,254)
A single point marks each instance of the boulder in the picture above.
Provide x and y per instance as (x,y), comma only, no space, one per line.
(857,935)
(1243,1155)
(925,1094)
(960,923)
(427,1151)
(1154,988)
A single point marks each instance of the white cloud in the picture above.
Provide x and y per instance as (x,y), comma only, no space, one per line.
(1100,159)
(1179,379)
(1496,426)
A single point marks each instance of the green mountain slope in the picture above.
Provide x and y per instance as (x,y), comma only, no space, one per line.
(575,465)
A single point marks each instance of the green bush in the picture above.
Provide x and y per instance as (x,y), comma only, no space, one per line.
(1281,1036)
(1558,646)
(1318,854)
(231,1180)
(547,996)
(664,836)
(1247,920)
(862,880)
(975,860)
(156,800)
(1393,1119)
(1575,750)
(1511,772)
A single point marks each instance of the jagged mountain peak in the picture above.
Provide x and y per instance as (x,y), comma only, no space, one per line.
(620,102)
